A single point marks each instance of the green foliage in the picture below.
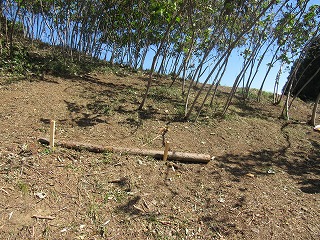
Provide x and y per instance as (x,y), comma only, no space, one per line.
(182,32)
(17,63)
(24,188)
(46,151)
(106,157)
(162,93)
(179,113)
(115,195)
(252,94)
(99,107)
(93,212)
(27,60)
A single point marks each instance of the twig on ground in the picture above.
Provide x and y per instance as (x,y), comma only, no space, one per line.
(145,204)
(165,222)
(151,140)
(138,208)
(3,189)
(43,217)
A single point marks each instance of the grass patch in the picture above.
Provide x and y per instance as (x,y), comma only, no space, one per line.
(24,188)
(99,107)
(93,212)
(116,195)
(106,158)
(252,94)
(161,94)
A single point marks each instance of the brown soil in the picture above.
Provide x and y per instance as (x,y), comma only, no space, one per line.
(263,184)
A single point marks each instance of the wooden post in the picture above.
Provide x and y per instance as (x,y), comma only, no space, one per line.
(52,132)
(166,150)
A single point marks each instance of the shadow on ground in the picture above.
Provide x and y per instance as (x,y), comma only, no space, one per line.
(302,164)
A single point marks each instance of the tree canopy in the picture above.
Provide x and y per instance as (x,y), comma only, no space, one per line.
(188,39)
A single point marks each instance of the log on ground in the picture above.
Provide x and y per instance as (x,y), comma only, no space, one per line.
(172,155)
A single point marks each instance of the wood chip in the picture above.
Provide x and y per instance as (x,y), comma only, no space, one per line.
(138,208)
(250,175)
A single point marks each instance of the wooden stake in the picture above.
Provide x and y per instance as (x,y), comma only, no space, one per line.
(52,132)
(166,150)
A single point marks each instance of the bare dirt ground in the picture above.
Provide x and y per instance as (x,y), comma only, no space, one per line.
(263,184)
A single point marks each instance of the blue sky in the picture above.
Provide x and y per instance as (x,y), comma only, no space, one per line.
(235,66)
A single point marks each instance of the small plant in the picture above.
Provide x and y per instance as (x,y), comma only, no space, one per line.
(152,218)
(130,91)
(24,188)
(46,151)
(106,157)
(229,116)
(179,112)
(116,195)
(147,139)
(46,231)
(100,107)
(135,120)
(93,212)
(163,93)
(252,94)
(103,231)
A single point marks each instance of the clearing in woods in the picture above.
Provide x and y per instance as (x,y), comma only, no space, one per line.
(263,184)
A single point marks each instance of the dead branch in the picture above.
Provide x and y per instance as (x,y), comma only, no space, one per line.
(172,155)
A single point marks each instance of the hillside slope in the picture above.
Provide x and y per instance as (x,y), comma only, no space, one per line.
(263,183)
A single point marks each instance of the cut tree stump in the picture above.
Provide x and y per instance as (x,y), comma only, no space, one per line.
(172,155)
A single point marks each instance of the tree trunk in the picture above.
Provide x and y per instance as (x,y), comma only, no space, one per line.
(155,58)
(315,112)
(12,30)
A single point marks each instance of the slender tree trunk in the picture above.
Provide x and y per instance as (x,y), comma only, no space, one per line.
(314,120)
(276,86)
(273,61)
(212,84)
(235,86)
(144,54)
(225,64)
(155,58)
(164,56)
(186,62)
(227,52)
(12,29)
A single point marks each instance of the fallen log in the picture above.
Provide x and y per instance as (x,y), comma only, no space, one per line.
(172,155)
